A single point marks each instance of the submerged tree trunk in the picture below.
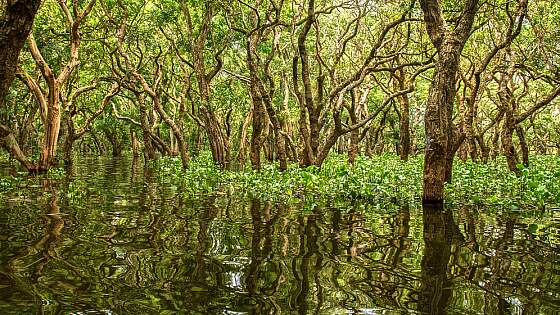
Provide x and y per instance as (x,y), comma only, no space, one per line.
(68,140)
(134,143)
(116,143)
(440,149)
(9,143)
(47,158)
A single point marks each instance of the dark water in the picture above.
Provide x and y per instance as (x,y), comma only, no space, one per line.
(116,238)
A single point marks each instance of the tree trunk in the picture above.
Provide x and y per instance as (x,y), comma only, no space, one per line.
(523,145)
(68,140)
(47,158)
(507,143)
(134,143)
(243,140)
(404,118)
(440,150)
(353,147)
(16,20)
(259,124)
(484,149)
(116,143)
(9,142)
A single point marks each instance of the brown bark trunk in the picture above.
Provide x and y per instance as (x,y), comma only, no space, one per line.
(134,143)
(404,118)
(507,143)
(438,125)
(9,142)
(149,150)
(219,142)
(354,134)
(241,154)
(439,152)
(47,158)
(353,147)
(523,145)
(495,143)
(98,144)
(116,143)
(68,140)
(484,149)
(269,149)
(16,20)
(508,105)
(258,135)
(176,131)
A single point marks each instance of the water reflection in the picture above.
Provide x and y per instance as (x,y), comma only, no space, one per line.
(440,231)
(114,237)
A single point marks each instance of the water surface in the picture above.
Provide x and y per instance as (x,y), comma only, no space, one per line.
(113,237)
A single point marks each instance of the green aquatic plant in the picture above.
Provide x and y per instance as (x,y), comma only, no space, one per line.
(383,179)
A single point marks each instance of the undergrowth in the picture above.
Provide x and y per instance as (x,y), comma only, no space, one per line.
(380,179)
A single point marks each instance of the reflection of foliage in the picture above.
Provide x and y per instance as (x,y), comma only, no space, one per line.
(160,253)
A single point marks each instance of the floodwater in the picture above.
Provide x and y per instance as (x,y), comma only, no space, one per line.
(113,237)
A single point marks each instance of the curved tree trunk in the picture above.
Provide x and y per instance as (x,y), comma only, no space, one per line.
(16,19)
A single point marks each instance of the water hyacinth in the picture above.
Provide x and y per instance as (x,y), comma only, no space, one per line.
(381,179)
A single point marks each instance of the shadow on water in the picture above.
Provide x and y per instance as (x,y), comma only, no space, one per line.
(114,237)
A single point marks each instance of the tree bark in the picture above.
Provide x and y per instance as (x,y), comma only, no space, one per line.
(134,143)
(404,118)
(440,149)
(16,21)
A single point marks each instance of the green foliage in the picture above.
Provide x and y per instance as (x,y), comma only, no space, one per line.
(493,184)
(384,180)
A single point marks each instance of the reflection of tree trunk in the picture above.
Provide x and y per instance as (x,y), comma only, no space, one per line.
(48,242)
(45,248)
(261,252)
(256,254)
(439,230)
(308,248)
(402,229)
(200,270)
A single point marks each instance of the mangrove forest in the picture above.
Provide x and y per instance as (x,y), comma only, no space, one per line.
(279,157)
